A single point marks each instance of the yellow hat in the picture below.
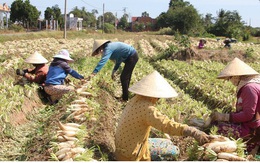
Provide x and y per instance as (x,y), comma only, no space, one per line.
(236,68)
(153,85)
(97,44)
(36,58)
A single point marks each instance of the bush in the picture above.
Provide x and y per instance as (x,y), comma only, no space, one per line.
(16,28)
(109,28)
(166,31)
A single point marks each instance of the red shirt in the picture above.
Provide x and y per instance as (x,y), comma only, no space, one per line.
(39,72)
(248,103)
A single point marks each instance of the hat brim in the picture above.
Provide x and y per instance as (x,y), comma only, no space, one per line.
(94,52)
(63,57)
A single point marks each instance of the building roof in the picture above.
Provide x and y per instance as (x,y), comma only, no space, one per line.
(4,7)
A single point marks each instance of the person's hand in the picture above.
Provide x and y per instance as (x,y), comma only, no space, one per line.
(90,76)
(198,135)
(216,116)
(113,76)
(67,81)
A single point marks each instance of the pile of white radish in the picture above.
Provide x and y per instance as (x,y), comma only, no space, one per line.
(222,149)
(67,133)
(67,142)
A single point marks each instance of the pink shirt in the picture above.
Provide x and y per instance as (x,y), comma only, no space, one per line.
(248,103)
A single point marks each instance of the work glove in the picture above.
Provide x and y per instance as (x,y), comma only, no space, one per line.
(90,77)
(216,116)
(21,72)
(198,135)
(67,81)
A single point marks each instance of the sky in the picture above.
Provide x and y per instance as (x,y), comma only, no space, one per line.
(249,10)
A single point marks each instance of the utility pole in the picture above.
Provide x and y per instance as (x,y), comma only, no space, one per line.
(65,20)
(103,17)
(115,22)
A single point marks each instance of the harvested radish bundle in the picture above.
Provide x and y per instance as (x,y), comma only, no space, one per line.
(220,148)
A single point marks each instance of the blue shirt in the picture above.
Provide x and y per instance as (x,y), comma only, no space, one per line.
(58,71)
(117,52)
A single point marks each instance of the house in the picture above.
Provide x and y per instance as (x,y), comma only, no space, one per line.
(74,23)
(142,23)
(4,11)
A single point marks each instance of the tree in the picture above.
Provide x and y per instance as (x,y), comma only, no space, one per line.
(123,24)
(145,14)
(228,24)
(109,18)
(182,17)
(24,13)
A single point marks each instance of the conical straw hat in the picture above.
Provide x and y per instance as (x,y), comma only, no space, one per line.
(97,44)
(36,58)
(153,85)
(236,68)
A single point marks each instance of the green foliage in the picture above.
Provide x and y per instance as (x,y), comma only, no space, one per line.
(165,54)
(249,53)
(123,24)
(54,12)
(85,156)
(183,40)
(24,13)
(166,31)
(16,28)
(109,28)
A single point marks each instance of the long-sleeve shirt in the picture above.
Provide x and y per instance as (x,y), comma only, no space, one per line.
(58,71)
(248,103)
(117,52)
(38,74)
(131,139)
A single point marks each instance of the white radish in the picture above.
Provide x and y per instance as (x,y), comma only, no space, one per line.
(67,128)
(68,138)
(77,150)
(230,157)
(66,144)
(72,124)
(221,159)
(68,133)
(60,157)
(226,146)
(68,156)
(61,138)
(62,151)
(85,94)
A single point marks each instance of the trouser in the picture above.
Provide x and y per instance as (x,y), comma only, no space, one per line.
(162,149)
(127,74)
(57,91)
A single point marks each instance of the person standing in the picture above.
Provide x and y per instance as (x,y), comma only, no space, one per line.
(140,115)
(40,70)
(58,71)
(118,52)
(245,121)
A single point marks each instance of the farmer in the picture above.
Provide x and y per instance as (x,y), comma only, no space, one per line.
(227,43)
(39,72)
(118,52)
(58,71)
(245,121)
(202,43)
(139,116)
